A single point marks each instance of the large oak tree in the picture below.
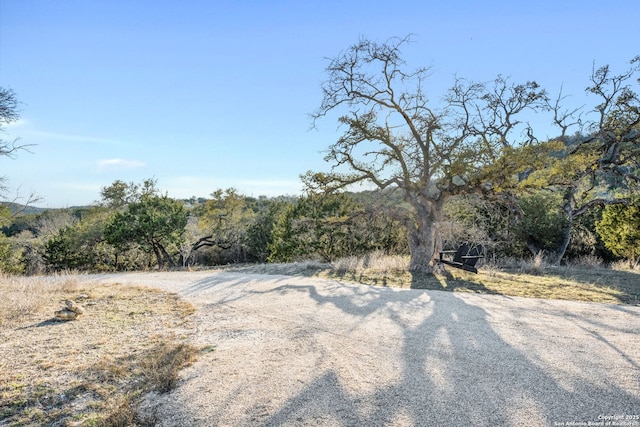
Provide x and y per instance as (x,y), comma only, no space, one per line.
(397,137)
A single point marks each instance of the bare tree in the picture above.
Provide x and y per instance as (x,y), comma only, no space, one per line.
(10,112)
(606,157)
(396,137)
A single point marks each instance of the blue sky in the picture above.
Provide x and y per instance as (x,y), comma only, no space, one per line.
(202,95)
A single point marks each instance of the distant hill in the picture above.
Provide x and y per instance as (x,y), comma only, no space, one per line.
(32,210)
(16,207)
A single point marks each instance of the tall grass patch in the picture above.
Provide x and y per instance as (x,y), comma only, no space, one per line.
(22,296)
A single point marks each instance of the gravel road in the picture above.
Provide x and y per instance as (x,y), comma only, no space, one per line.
(295,351)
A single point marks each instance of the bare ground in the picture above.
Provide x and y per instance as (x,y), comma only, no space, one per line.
(295,351)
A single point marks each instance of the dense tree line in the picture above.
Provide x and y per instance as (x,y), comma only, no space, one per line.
(136,227)
(148,230)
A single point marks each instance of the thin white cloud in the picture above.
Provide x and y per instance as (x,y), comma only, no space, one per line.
(15,124)
(27,131)
(70,137)
(118,164)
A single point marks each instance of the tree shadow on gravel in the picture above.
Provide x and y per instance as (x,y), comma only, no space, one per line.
(445,281)
(455,369)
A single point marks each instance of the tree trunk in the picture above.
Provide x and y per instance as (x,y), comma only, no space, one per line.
(555,255)
(423,234)
(166,256)
(558,253)
(158,254)
(565,233)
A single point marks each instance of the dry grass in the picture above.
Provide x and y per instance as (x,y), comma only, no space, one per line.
(567,283)
(376,262)
(588,261)
(624,265)
(587,281)
(20,297)
(91,371)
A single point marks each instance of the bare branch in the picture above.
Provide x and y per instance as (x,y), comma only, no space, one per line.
(22,203)
(9,149)
(598,202)
(565,119)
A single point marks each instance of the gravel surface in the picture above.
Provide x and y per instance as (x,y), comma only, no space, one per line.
(296,351)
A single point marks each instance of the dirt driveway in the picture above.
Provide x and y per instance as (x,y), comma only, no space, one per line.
(294,351)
